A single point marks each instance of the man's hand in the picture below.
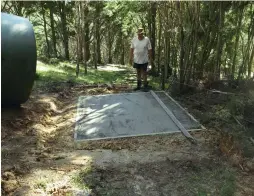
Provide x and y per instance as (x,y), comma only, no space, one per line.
(151,61)
(130,62)
(151,56)
(131,56)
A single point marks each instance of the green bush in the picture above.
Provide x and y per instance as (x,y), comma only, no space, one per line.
(54,61)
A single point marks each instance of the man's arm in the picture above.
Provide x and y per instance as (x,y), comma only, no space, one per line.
(150,55)
(150,51)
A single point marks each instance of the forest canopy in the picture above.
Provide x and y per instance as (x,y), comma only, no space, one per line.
(197,40)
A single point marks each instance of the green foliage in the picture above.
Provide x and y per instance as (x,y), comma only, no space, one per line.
(204,183)
(236,105)
(118,22)
(65,71)
(79,178)
(228,186)
(220,112)
(41,184)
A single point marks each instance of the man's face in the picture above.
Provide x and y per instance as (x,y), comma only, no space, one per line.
(140,35)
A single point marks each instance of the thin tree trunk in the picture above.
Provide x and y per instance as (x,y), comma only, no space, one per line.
(182,50)
(164,65)
(153,31)
(181,62)
(239,24)
(78,35)
(159,45)
(250,65)
(219,41)
(62,10)
(45,29)
(95,54)
(86,31)
(52,22)
(109,47)
(97,33)
(122,48)
(85,41)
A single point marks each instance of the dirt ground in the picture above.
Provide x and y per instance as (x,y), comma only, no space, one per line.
(39,156)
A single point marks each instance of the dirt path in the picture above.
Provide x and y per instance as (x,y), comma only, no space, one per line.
(39,156)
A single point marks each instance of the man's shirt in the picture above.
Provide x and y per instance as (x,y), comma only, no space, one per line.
(141,48)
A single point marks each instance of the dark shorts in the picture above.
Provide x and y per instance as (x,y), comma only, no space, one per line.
(141,66)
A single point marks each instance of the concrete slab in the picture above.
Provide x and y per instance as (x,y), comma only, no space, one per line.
(123,115)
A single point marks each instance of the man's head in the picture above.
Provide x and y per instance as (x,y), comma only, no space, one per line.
(140,33)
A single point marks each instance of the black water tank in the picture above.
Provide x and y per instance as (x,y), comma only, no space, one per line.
(18,53)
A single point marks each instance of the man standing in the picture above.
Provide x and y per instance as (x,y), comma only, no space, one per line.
(140,50)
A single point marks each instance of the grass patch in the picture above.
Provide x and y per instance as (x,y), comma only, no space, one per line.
(65,71)
(204,183)
(228,187)
(79,178)
(41,184)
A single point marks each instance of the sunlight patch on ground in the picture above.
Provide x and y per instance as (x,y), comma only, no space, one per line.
(113,67)
(41,67)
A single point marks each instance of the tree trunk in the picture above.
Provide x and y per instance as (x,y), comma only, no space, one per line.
(78,35)
(251,51)
(97,33)
(51,11)
(219,41)
(87,33)
(181,62)
(62,10)
(250,65)
(85,42)
(181,43)
(239,24)
(45,29)
(153,30)
(109,47)
(122,49)
(159,45)
(95,54)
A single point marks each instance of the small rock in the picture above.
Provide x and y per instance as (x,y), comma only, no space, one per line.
(9,175)
(246,169)
(235,160)
(19,171)
(250,165)
(61,172)
(9,185)
(21,191)
(7,167)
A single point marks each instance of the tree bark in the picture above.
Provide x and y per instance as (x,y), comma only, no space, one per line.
(250,65)
(181,62)
(153,31)
(109,46)
(159,45)
(62,10)
(85,42)
(239,24)
(78,35)
(97,33)
(45,29)
(51,11)
(87,32)
(219,41)
(122,48)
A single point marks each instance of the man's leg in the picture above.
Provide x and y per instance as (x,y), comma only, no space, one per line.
(144,76)
(138,79)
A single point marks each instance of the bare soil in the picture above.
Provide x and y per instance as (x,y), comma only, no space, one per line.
(39,155)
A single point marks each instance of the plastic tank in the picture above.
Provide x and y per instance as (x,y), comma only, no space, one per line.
(18,59)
